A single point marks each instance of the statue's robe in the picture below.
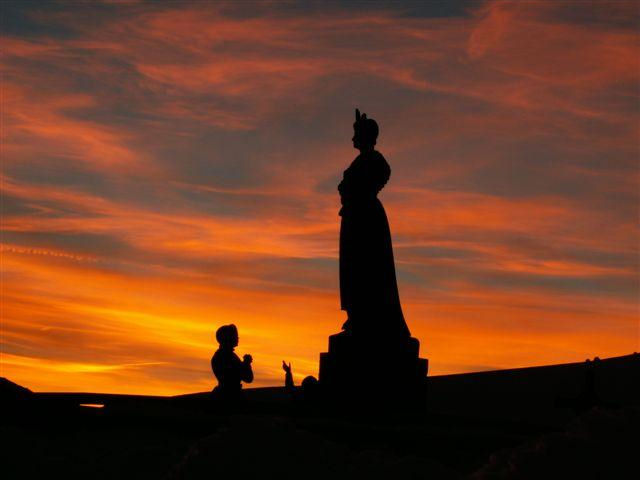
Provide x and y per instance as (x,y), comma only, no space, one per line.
(368,287)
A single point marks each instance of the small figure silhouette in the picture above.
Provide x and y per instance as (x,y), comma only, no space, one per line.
(310,389)
(227,366)
(288,376)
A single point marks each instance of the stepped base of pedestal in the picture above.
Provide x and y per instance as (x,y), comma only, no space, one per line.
(374,368)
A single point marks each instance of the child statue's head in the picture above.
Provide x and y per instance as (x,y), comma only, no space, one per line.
(227,336)
(365,131)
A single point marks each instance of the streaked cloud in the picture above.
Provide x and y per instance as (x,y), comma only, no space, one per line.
(170,169)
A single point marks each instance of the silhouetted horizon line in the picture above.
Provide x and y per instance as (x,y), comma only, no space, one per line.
(278,387)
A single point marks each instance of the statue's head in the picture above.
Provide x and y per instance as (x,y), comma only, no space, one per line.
(227,336)
(365,132)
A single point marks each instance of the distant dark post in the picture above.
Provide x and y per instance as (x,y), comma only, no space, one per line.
(376,348)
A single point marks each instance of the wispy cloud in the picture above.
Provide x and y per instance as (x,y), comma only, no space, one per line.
(167,170)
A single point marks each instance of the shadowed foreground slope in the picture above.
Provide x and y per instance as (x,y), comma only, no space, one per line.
(525,423)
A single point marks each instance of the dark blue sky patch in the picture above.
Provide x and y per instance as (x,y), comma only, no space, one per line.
(12,206)
(28,19)
(403,8)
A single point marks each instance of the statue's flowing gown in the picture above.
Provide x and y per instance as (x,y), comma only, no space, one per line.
(368,287)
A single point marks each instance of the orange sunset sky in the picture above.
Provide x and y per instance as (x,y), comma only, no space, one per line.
(169,167)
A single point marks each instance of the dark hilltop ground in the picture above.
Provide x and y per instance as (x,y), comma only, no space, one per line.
(566,421)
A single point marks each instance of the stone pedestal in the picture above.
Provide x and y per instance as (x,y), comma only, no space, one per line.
(376,369)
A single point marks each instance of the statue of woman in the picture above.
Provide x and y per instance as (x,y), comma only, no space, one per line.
(368,287)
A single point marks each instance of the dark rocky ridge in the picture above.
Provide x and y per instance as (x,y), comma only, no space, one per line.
(539,422)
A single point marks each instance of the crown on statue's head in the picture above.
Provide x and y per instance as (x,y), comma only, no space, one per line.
(367,128)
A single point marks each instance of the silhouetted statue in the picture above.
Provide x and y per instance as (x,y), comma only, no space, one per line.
(308,392)
(227,366)
(368,287)
(288,376)
(376,344)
